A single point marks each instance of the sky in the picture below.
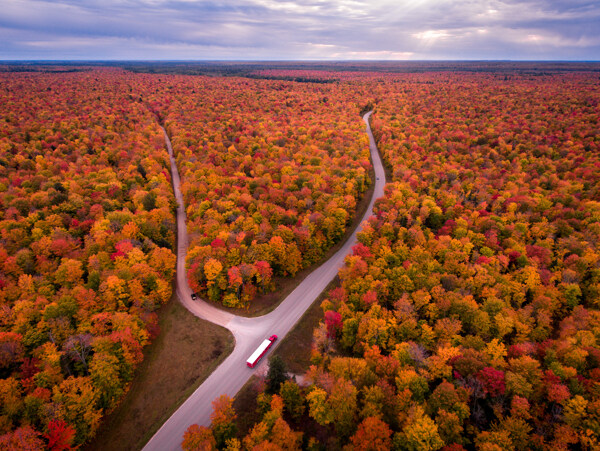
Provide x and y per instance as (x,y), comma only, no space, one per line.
(300,30)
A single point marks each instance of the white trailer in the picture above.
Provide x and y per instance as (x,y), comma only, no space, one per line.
(260,351)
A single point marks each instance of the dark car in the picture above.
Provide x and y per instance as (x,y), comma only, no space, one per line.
(194,297)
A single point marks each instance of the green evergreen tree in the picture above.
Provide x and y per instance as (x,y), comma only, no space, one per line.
(276,375)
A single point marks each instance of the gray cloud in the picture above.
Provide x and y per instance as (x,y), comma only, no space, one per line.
(305,29)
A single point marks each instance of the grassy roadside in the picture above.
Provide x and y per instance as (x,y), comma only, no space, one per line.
(295,348)
(187,350)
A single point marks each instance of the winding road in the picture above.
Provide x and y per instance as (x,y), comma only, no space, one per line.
(233,373)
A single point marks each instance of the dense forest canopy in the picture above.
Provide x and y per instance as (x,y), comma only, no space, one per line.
(465,317)
(87,232)
(271,176)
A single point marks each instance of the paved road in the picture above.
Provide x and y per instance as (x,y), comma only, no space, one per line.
(233,373)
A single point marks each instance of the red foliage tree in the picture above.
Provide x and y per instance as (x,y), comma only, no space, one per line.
(60,436)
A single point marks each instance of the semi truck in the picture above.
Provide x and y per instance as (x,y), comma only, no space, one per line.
(260,351)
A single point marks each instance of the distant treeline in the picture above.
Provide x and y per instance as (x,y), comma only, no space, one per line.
(39,68)
(296,79)
(249,68)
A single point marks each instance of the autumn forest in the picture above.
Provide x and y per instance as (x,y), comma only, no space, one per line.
(467,316)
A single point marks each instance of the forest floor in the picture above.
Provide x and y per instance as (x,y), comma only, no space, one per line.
(186,351)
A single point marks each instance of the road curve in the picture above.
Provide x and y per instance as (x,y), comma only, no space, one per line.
(233,373)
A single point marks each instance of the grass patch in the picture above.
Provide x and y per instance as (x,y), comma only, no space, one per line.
(185,353)
(245,406)
(295,348)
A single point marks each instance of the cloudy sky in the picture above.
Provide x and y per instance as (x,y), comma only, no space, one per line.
(301,29)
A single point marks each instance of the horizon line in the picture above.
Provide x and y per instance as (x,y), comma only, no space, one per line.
(21,61)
